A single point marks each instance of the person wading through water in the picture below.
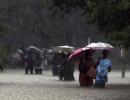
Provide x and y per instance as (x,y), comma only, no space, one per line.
(86,62)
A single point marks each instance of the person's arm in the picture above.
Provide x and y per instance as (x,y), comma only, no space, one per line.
(98,61)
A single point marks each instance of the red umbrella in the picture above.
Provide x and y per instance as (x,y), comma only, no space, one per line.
(77,52)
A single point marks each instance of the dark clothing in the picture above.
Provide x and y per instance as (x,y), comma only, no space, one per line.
(82,67)
(60,72)
(38,68)
(61,68)
(29,68)
(29,63)
(55,62)
(1,68)
(66,69)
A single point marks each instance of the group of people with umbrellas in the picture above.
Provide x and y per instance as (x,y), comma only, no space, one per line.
(32,59)
(60,64)
(88,68)
(90,71)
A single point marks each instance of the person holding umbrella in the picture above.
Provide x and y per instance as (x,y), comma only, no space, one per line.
(29,58)
(37,63)
(29,63)
(86,62)
(87,72)
(102,70)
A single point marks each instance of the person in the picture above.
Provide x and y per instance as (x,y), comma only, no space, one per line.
(66,68)
(86,62)
(102,70)
(69,69)
(61,66)
(29,62)
(2,63)
(55,63)
(38,61)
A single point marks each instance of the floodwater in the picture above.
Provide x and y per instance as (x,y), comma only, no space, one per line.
(15,85)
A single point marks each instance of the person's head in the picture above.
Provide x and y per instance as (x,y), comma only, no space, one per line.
(89,52)
(105,53)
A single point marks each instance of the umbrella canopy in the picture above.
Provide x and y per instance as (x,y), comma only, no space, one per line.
(33,48)
(65,49)
(77,52)
(20,51)
(99,46)
(92,46)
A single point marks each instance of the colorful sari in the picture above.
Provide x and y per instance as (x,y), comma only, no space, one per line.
(102,72)
(84,78)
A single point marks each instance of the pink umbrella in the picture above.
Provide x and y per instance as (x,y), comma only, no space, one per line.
(77,52)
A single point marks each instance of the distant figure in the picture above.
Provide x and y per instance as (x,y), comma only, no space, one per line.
(2,64)
(69,69)
(61,66)
(86,62)
(1,68)
(102,70)
(55,62)
(66,68)
(29,63)
(38,62)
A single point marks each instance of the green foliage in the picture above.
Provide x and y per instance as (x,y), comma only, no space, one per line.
(3,53)
(121,38)
(69,3)
(46,3)
(112,18)
(3,28)
(3,17)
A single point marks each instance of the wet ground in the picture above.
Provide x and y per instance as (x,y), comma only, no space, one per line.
(15,85)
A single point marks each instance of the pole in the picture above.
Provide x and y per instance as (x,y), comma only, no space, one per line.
(124,61)
(89,40)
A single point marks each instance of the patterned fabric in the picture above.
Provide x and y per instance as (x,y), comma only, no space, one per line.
(84,79)
(102,69)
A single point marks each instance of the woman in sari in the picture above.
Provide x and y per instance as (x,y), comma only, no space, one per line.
(86,62)
(102,70)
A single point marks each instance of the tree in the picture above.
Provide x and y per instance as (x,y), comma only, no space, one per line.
(3,17)
(113,20)
(69,3)
(3,29)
